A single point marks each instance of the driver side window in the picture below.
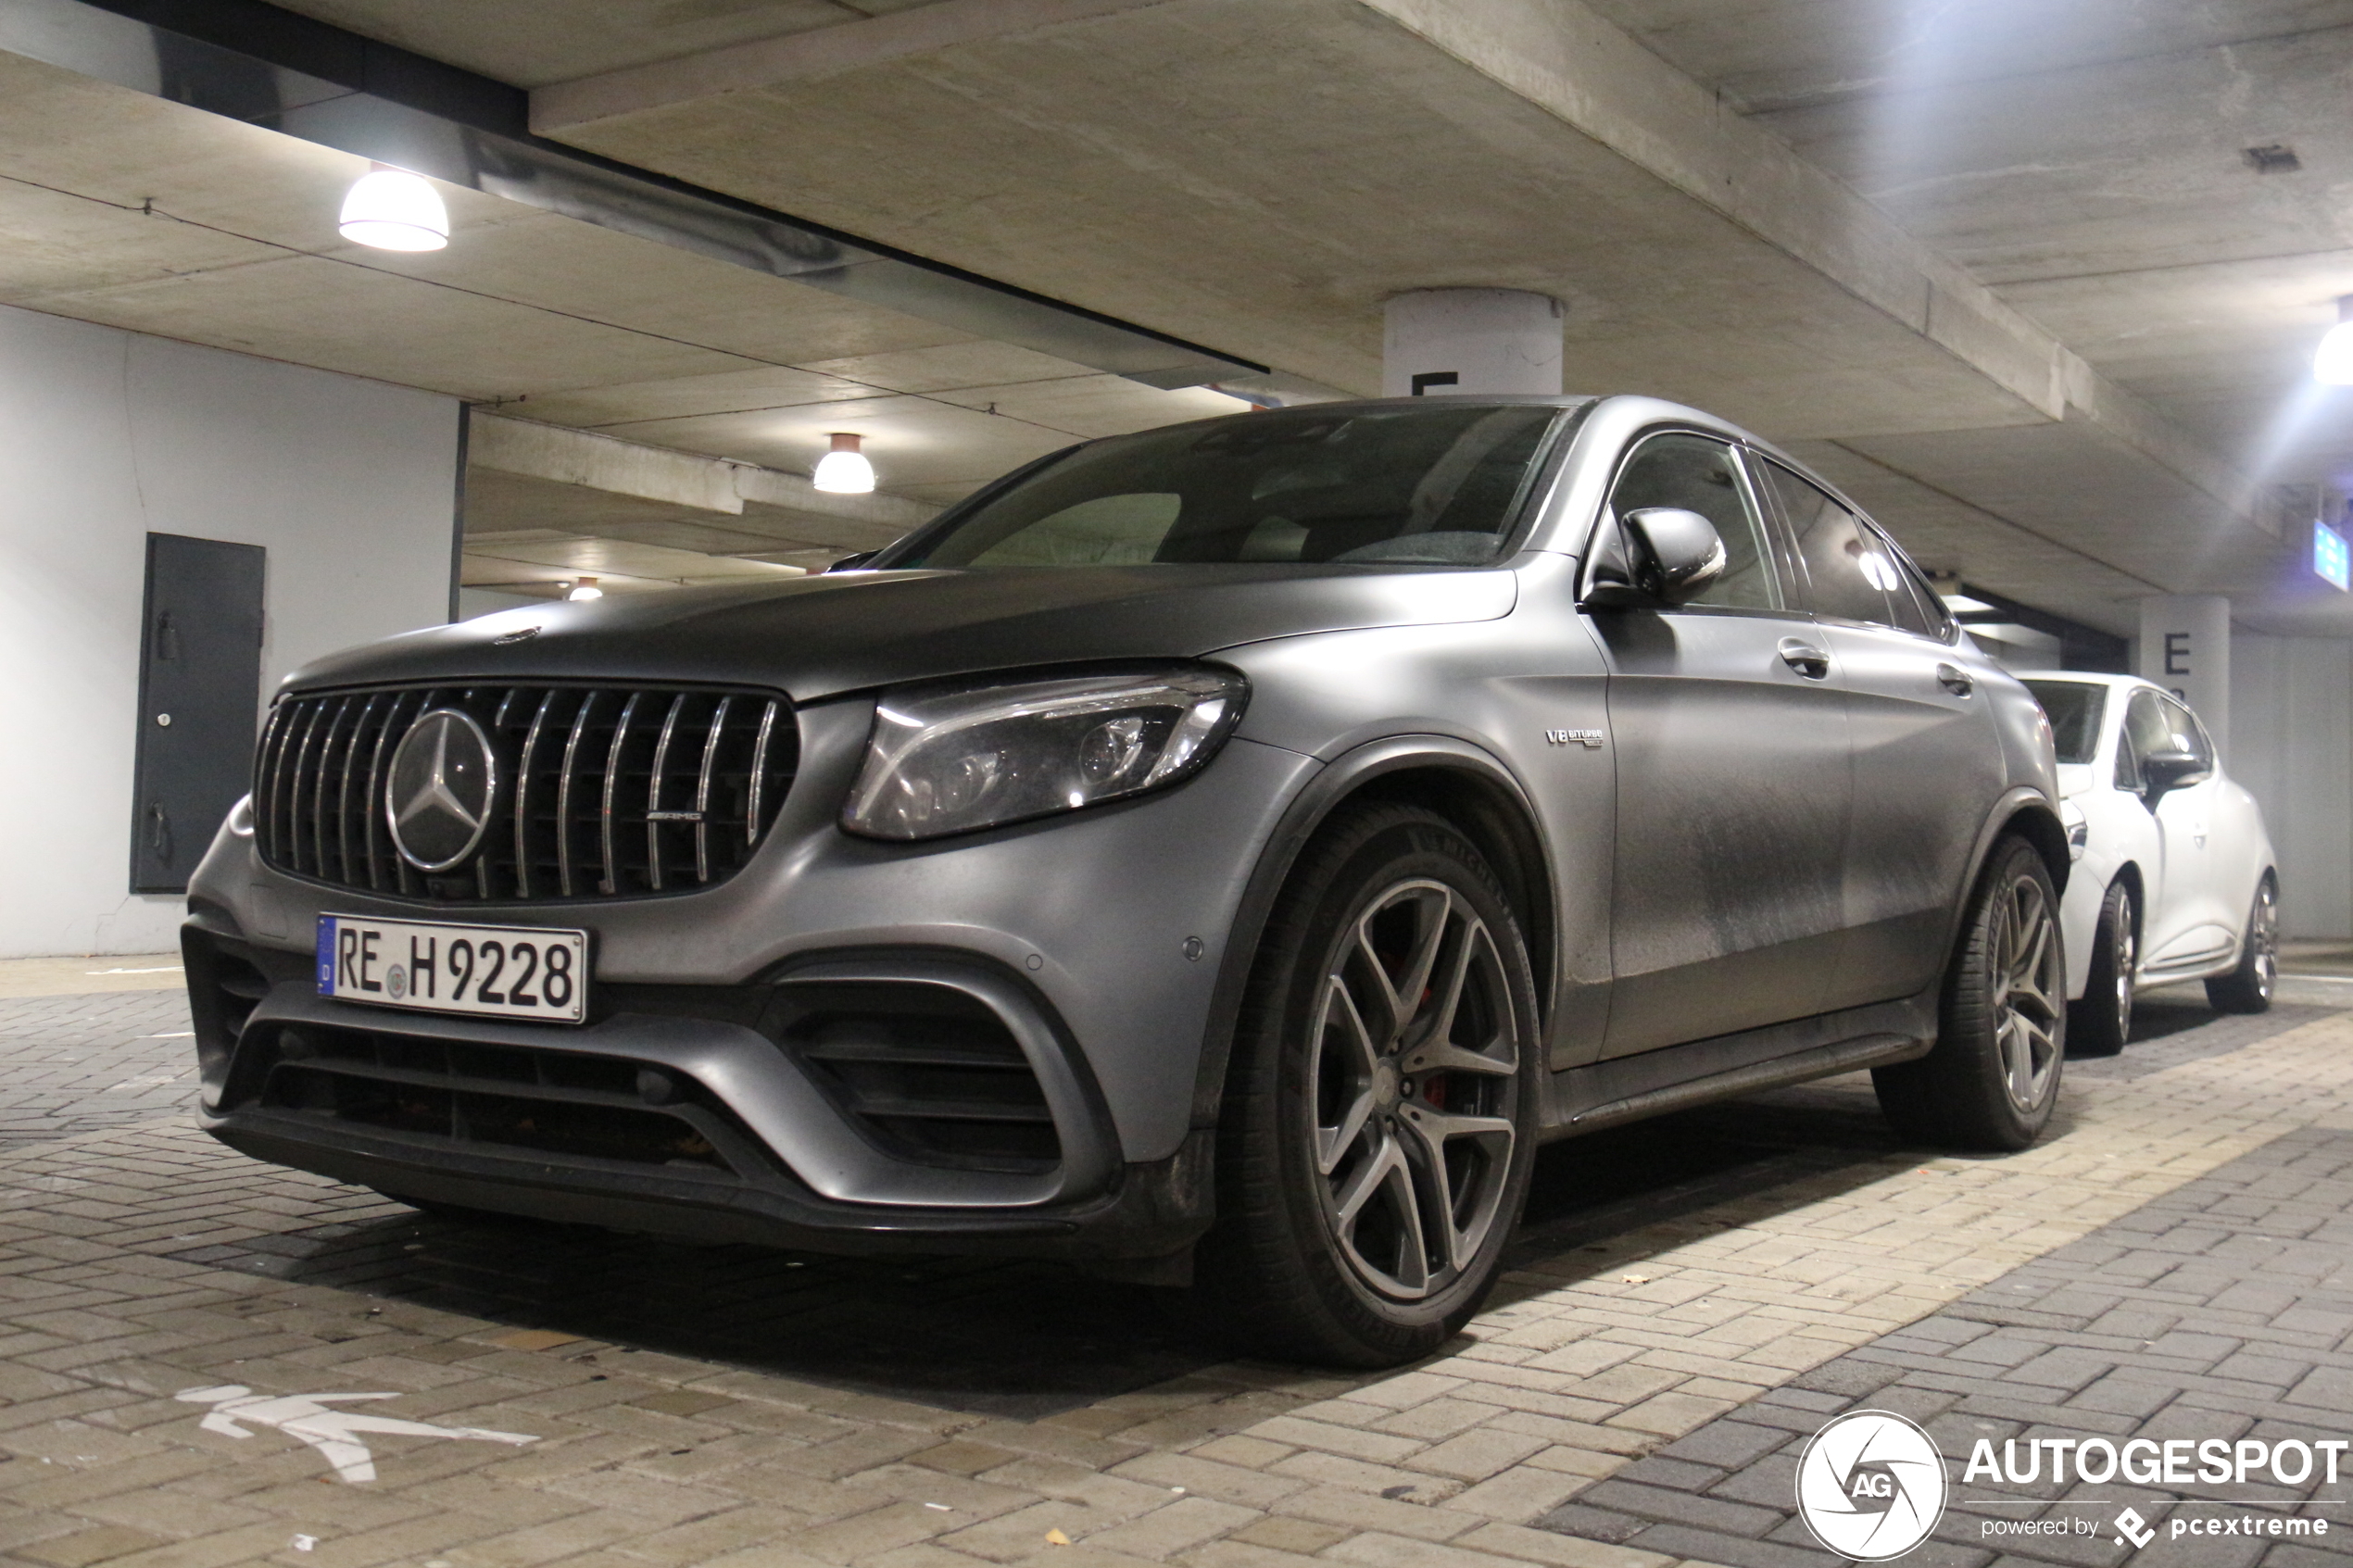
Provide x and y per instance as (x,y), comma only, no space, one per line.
(2146,730)
(1698,474)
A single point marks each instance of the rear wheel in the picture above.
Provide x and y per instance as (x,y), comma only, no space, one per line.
(2102,1021)
(1993,1078)
(2248,987)
(1380,1117)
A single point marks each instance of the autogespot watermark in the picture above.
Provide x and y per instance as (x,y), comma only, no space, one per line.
(1872,1485)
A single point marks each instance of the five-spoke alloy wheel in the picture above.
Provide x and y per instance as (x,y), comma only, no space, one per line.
(1993,1077)
(2102,1021)
(2248,987)
(1379,1124)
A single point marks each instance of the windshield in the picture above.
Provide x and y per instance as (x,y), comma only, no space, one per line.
(2075,708)
(1438,486)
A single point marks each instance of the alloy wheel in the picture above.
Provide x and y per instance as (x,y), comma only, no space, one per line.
(2030,989)
(2263,931)
(2127,949)
(1414,1088)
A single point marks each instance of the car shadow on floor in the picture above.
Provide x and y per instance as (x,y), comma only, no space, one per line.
(1024,1339)
(1015,1338)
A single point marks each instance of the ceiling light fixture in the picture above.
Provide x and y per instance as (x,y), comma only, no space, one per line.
(586,589)
(843,470)
(393,209)
(2333,365)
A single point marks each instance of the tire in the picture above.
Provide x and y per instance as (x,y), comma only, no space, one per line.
(2248,987)
(1379,1120)
(2102,1021)
(1993,1077)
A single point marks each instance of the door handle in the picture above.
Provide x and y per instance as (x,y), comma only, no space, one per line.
(1955,679)
(1805,658)
(158,833)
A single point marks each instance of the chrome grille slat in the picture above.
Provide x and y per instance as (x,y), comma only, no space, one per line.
(702,789)
(522,797)
(569,759)
(759,766)
(563,792)
(610,882)
(653,791)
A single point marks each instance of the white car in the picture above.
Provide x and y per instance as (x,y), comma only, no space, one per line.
(2173,877)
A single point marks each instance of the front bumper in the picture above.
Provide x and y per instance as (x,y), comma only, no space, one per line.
(696,1112)
(721,1087)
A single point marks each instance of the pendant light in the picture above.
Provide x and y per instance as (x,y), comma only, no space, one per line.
(393,209)
(843,470)
(586,589)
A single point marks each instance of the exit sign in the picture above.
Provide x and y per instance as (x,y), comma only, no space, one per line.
(2332,557)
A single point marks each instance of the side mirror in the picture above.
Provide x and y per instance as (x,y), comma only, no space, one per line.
(1678,553)
(2165,770)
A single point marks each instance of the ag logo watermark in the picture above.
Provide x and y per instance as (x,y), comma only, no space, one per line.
(1871,1486)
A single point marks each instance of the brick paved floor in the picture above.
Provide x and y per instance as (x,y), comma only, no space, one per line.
(77,1063)
(2220,1309)
(688,1407)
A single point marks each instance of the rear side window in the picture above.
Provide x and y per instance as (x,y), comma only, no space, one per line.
(1698,474)
(2075,708)
(1849,573)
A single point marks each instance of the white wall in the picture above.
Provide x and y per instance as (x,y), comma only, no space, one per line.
(2292,744)
(105,436)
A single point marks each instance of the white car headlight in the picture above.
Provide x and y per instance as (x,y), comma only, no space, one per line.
(949,760)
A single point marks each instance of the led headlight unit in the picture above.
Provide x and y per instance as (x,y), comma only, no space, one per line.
(949,760)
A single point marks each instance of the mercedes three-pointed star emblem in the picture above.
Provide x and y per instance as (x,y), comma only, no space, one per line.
(437,800)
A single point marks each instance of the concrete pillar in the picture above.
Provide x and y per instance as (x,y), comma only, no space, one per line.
(1458,341)
(2185,647)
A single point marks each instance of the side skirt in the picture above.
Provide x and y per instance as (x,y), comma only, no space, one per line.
(1605,1093)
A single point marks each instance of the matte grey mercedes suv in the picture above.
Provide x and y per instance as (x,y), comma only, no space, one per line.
(1220,854)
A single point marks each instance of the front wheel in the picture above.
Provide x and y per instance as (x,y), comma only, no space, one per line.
(2102,1021)
(1381,1105)
(1993,1078)
(2248,987)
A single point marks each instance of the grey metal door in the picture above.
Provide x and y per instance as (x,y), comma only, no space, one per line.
(1928,757)
(199,691)
(1729,723)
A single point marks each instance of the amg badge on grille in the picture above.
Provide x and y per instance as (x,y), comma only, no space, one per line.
(437,800)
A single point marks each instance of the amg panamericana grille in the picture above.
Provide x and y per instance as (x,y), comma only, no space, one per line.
(602,791)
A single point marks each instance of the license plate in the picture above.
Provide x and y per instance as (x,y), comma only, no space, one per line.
(494,970)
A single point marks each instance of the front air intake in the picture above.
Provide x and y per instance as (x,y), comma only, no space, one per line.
(590,791)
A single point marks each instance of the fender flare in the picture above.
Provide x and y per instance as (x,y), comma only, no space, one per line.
(2033,816)
(1325,792)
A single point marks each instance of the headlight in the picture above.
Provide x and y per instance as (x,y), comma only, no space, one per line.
(950,760)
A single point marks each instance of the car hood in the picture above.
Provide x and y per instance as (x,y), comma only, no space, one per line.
(823,635)
(2074,779)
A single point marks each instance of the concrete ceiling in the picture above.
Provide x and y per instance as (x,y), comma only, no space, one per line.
(2002,270)
(126,209)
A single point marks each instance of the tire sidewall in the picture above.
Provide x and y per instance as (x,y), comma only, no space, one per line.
(1375,853)
(1968,1018)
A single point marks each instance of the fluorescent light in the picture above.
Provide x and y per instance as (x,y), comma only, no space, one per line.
(393,209)
(2333,363)
(843,470)
(1961,604)
(586,589)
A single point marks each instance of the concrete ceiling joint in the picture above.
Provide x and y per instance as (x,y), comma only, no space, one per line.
(766,62)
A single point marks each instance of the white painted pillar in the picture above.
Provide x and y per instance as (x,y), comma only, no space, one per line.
(1458,341)
(2185,647)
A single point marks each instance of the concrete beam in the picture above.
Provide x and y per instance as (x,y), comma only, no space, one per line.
(768,62)
(580,458)
(601,463)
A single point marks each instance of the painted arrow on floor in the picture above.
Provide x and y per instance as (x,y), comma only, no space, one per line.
(335,1434)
